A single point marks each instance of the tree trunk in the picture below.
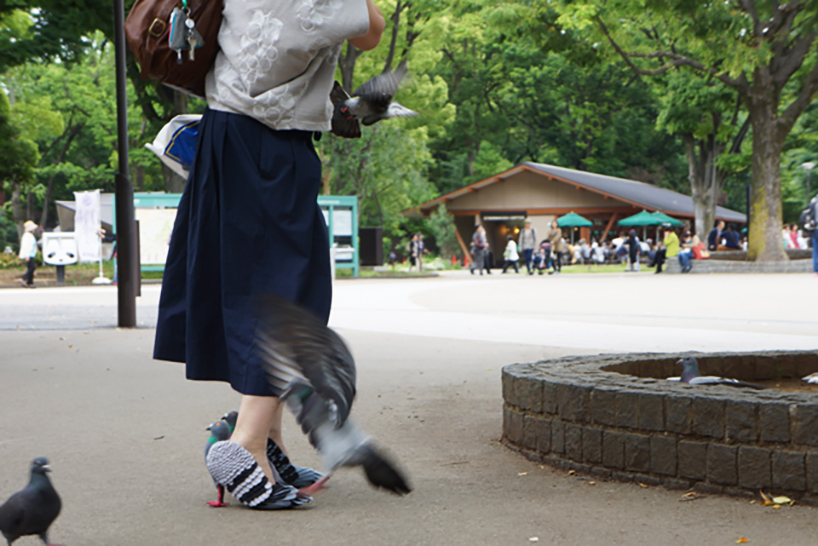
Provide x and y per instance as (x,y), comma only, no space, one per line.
(71,133)
(765,244)
(173,182)
(704,179)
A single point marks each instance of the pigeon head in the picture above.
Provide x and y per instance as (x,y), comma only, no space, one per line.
(220,430)
(231,417)
(690,368)
(40,466)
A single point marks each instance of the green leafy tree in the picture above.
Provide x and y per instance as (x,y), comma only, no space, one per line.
(17,159)
(765,51)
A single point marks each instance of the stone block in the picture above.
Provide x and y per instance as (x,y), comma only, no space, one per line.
(508,388)
(754,467)
(708,488)
(514,430)
(573,442)
(663,455)
(742,421)
(804,424)
(557,437)
(529,432)
(549,397)
(646,479)
(529,393)
(722,467)
(677,411)
(603,406)
(774,422)
(613,449)
(651,412)
(707,417)
(789,471)
(637,453)
(601,472)
(573,402)
(627,409)
(591,445)
(692,460)
(812,473)
(675,483)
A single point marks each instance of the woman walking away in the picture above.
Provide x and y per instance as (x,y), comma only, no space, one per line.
(249,223)
(28,251)
(510,255)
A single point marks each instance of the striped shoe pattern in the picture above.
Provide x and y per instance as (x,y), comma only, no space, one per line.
(234,467)
(297,476)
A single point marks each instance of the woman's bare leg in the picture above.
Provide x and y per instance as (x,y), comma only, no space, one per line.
(275,432)
(257,417)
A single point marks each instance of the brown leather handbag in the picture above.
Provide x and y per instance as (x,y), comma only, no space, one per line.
(147,29)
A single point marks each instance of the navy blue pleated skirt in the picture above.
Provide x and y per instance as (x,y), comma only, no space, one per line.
(248,223)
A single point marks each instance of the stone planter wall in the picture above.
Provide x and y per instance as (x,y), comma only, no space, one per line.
(617,416)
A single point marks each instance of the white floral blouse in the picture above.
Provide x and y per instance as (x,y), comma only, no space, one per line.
(278,57)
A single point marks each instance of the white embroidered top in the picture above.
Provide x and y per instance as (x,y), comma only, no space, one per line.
(278,57)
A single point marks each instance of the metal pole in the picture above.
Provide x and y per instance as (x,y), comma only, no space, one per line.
(125,229)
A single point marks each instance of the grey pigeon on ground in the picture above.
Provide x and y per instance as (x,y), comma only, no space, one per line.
(219,431)
(32,510)
(691,376)
(369,104)
(313,368)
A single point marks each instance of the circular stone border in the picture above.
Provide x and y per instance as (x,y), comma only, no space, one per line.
(616,416)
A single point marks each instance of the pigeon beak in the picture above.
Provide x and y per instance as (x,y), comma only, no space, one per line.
(46,468)
(208,428)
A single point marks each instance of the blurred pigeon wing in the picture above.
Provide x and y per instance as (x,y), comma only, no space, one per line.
(296,346)
(381,88)
(397,110)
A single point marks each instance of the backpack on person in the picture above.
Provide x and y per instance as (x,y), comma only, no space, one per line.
(809,216)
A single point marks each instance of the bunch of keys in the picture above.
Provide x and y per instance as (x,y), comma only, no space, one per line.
(183,34)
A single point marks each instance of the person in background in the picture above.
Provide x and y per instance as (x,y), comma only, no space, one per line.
(714,236)
(671,243)
(730,239)
(420,250)
(686,252)
(527,242)
(510,255)
(28,251)
(413,252)
(794,236)
(557,246)
(479,244)
(634,250)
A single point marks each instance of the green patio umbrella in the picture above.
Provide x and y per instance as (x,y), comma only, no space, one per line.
(572,219)
(665,219)
(643,218)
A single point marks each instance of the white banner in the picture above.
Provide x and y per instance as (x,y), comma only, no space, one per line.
(87,225)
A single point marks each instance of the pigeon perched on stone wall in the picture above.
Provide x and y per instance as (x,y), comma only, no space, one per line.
(811,378)
(32,510)
(313,368)
(691,376)
(369,104)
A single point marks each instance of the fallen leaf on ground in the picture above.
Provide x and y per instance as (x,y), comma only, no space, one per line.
(522,473)
(782,500)
(766,501)
(643,485)
(591,483)
(691,496)
(742,540)
(534,539)
(572,472)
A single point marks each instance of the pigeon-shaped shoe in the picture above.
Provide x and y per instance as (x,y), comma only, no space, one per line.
(311,365)
(219,431)
(691,376)
(32,510)
(369,104)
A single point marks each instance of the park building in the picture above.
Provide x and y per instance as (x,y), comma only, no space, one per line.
(539,193)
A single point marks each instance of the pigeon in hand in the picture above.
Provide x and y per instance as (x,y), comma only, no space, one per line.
(312,367)
(32,510)
(811,378)
(219,431)
(691,376)
(369,104)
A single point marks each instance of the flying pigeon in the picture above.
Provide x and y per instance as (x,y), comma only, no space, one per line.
(219,431)
(811,378)
(691,376)
(315,371)
(297,476)
(369,104)
(32,510)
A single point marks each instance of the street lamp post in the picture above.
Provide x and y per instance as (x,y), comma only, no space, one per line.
(808,166)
